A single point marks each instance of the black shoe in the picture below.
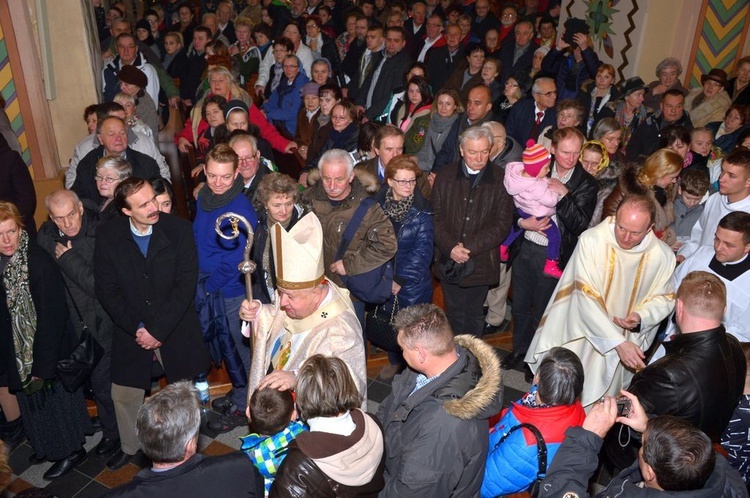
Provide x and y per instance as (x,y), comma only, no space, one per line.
(62,467)
(494,329)
(118,460)
(107,447)
(230,420)
(528,375)
(511,361)
(222,405)
(13,434)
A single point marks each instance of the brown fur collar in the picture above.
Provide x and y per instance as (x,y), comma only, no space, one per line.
(484,394)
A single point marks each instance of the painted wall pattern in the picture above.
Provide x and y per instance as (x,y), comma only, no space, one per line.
(9,93)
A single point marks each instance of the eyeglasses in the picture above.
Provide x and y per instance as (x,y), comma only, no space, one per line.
(246,159)
(106,179)
(548,94)
(406,183)
(312,26)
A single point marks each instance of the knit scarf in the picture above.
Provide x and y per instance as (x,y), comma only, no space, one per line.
(20,305)
(210,201)
(397,210)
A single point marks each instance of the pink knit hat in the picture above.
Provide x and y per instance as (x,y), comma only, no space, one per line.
(535,158)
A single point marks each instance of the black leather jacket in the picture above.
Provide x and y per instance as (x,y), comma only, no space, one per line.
(700,379)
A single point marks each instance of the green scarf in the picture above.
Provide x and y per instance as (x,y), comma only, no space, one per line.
(210,201)
(20,305)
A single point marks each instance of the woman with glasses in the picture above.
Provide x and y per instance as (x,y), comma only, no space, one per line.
(284,103)
(710,101)
(412,219)
(344,133)
(110,172)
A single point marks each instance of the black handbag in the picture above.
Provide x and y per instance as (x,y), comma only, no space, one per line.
(453,273)
(379,326)
(541,453)
(74,370)
(373,286)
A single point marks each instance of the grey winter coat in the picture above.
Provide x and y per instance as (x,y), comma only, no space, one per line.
(436,439)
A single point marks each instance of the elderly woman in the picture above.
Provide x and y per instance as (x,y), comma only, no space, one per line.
(416,105)
(110,171)
(738,87)
(596,161)
(411,216)
(307,116)
(668,73)
(35,333)
(711,101)
(570,113)
(536,62)
(323,46)
(275,202)
(133,82)
(609,132)
(222,84)
(516,88)
(726,132)
(490,72)
(426,143)
(135,123)
(596,98)
(284,103)
(552,405)
(343,453)
(629,110)
(655,179)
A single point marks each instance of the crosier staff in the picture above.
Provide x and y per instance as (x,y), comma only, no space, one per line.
(247,266)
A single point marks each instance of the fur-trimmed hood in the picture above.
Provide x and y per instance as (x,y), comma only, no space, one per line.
(464,396)
(363,179)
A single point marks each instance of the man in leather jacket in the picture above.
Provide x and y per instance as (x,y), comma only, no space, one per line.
(702,375)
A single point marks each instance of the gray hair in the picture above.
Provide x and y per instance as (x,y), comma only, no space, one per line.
(124,97)
(492,125)
(560,377)
(668,62)
(476,132)
(115,163)
(168,421)
(536,87)
(337,156)
(244,138)
(58,196)
(604,126)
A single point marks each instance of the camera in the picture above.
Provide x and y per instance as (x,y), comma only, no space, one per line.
(623,406)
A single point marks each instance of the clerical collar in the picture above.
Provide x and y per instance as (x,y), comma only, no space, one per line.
(730,271)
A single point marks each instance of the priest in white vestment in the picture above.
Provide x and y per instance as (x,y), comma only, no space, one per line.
(613,294)
(310,316)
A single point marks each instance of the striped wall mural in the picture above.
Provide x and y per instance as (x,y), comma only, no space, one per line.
(12,108)
(719,38)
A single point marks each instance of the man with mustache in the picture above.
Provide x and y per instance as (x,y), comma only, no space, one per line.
(145,272)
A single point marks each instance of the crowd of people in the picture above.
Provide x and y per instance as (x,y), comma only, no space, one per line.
(348,154)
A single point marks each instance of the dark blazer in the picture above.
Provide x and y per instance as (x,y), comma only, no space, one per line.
(350,65)
(522,117)
(645,139)
(357,85)
(85,185)
(156,291)
(440,65)
(414,40)
(480,28)
(391,77)
(522,64)
(226,475)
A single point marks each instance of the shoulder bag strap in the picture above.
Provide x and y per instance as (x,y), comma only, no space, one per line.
(352,226)
(541,446)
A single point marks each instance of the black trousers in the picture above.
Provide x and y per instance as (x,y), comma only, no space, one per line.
(464,308)
(101,385)
(532,291)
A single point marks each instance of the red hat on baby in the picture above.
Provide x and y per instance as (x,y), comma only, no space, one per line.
(535,158)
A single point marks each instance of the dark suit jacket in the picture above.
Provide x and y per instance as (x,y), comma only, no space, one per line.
(356,85)
(350,64)
(156,291)
(480,28)
(414,39)
(521,120)
(522,64)
(226,475)
(391,77)
(85,185)
(440,66)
